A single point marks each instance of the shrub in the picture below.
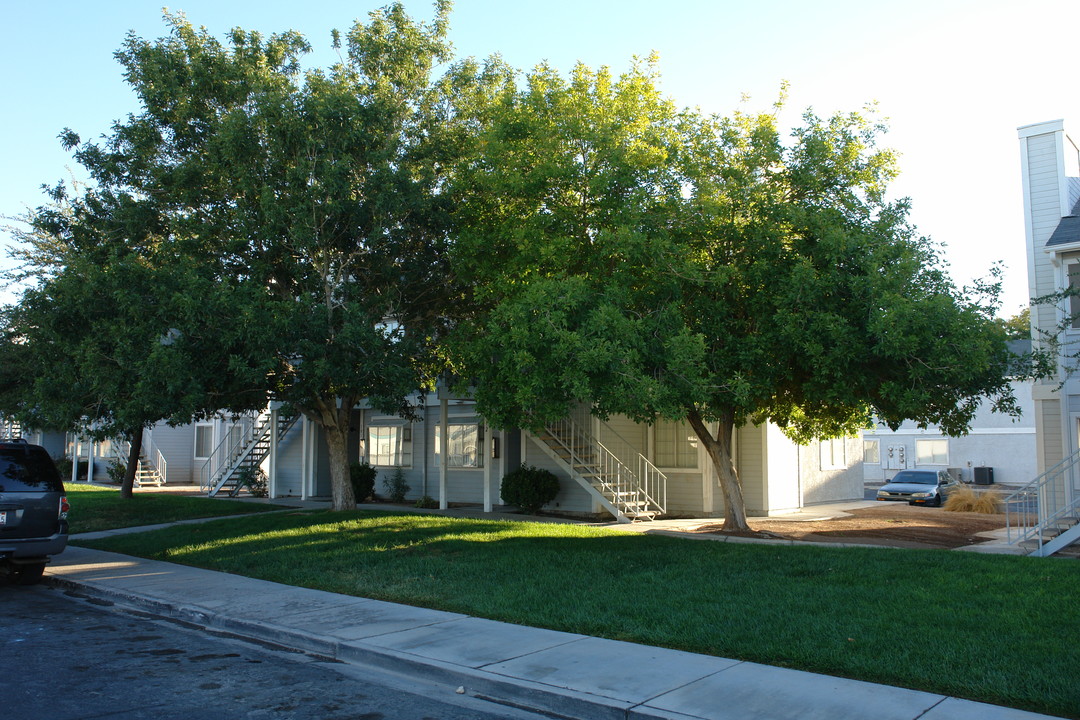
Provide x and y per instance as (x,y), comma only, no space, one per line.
(967,499)
(396,487)
(63,466)
(116,471)
(529,488)
(362,476)
(254,480)
(427,502)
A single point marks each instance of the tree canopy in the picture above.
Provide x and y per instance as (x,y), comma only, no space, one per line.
(660,264)
(331,236)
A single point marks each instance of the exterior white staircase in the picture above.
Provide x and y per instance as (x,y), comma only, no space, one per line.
(10,429)
(621,479)
(152,468)
(1045,513)
(241,453)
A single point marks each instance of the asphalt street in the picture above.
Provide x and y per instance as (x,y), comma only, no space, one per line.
(62,657)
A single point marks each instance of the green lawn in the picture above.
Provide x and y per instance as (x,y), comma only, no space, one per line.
(94,507)
(1000,629)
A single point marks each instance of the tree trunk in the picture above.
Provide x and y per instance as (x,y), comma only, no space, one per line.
(334,421)
(719,449)
(128,486)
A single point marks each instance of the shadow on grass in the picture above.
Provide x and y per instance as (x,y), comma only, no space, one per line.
(952,623)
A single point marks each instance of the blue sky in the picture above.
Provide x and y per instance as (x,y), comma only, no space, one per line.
(954,77)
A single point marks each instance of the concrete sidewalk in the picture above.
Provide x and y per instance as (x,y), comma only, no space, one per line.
(569,675)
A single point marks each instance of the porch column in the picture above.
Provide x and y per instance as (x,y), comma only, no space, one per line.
(271,465)
(444,442)
(74,458)
(90,461)
(489,461)
(305,457)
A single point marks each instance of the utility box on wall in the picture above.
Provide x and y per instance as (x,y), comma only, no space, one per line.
(983,475)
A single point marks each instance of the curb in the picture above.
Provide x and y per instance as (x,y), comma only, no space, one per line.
(491,687)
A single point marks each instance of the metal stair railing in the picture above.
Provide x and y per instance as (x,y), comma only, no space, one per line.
(10,429)
(610,476)
(156,469)
(225,459)
(145,473)
(1046,507)
(237,450)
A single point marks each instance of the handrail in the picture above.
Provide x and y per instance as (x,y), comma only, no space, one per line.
(1043,504)
(227,452)
(629,491)
(157,460)
(654,480)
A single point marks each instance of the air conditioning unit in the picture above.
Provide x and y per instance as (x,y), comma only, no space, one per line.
(984,475)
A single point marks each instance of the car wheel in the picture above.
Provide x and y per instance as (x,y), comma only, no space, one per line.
(29,574)
(937,501)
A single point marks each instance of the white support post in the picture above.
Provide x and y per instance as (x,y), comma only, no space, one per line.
(90,462)
(271,466)
(75,459)
(305,458)
(444,441)
(488,462)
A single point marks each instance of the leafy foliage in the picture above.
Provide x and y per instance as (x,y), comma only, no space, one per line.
(660,264)
(529,488)
(362,477)
(396,486)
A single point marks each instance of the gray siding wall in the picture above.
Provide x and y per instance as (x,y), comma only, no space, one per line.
(177,445)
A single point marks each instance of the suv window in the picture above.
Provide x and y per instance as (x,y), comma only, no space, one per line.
(28,469)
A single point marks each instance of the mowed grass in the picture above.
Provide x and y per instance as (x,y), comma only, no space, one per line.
(94,508)
(999,629)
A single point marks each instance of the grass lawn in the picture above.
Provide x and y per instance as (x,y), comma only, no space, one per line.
(94,507)
(999,629)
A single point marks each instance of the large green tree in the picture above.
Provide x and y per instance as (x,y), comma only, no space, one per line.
(115,330)
(662,264)
(318,192)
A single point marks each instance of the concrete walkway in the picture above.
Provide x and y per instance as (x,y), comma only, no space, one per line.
(572,676)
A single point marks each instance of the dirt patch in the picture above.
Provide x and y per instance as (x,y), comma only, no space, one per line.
(892,524)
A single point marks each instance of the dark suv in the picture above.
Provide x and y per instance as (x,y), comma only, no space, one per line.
(33,510)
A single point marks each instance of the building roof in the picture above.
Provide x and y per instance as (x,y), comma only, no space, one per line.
(1068,230)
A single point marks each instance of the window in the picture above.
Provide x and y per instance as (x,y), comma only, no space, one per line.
(204,440)
(832,454)
(871,452)
(389,446)
(932,452)
(1074,300)
(676,445)
(464,449)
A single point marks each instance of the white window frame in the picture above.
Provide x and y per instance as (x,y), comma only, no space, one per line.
(1071,304)
(208,427)
(458,455)
(398,446)
(832,449)
(928,451)
(686,445)
(876,452)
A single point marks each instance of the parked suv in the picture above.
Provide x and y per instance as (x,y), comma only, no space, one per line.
(33,510)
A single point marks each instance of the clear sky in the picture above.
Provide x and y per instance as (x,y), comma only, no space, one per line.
(954,77)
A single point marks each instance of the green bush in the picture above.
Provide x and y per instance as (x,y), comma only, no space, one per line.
(396,487)
(529,488)
(362,476)
(116,471)
(427,502)
(63,466)
(254,480)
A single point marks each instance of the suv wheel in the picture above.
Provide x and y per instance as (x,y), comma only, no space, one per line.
(29,574)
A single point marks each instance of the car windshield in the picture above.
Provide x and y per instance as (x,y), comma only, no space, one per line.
(915,477)
(28,469)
